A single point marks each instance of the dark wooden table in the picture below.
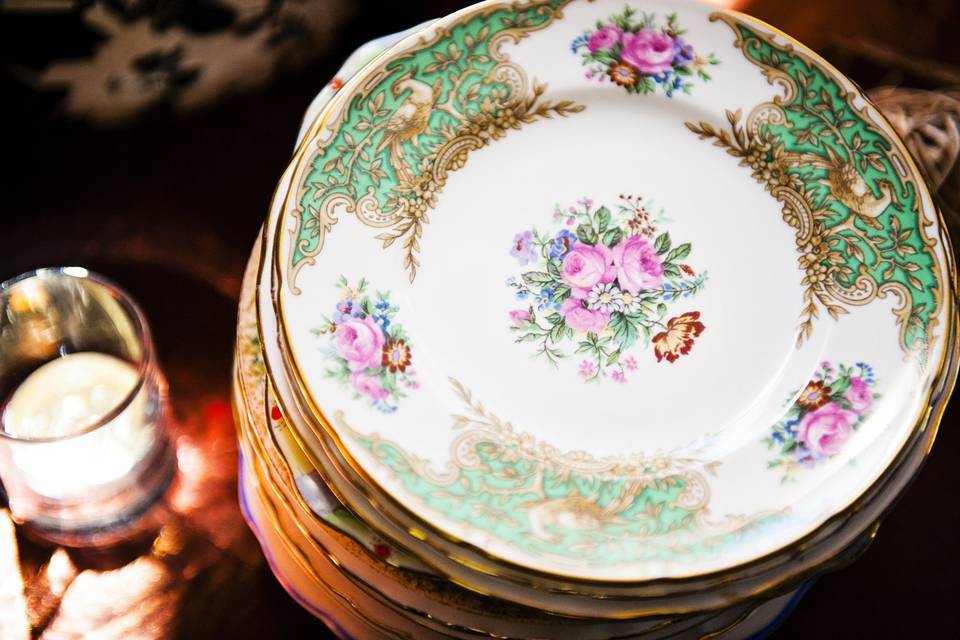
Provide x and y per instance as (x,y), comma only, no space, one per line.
(169,207)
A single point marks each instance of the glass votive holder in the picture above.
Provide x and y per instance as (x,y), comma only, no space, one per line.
(84,452)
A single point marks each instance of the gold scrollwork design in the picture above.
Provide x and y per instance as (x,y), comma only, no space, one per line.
(401,133)
(843,185)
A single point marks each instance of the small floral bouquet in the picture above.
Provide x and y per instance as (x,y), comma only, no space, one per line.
(603,282)
(823,418)
(640,56)
(369,350)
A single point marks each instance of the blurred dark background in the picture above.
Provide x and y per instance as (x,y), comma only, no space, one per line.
(143,138)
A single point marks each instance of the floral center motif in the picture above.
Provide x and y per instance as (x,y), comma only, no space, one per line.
(823,417)
(602,282)
(641,56)
(370,351)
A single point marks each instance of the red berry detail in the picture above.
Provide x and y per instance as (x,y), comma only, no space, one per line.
(275,413)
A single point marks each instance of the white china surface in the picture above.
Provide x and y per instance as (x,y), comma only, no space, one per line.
(704,417)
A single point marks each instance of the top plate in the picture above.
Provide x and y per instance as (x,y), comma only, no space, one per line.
(612,293)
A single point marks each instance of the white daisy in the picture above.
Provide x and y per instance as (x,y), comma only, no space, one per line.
(605,297)
(629,302)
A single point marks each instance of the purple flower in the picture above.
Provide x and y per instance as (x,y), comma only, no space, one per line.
(346,310)
(523,248)
(682,52)
(805,458)
(604,38)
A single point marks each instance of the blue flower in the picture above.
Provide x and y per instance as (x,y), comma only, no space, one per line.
(545,299)
(790,426)
(578,42)
(662,78)
(673,85)
(382,320)
(383,407)
(562,244)
(382,305)
(778,437)
(522,294)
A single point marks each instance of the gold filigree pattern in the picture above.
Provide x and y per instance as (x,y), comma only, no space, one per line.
(413,122)
(564,504)
(844,187)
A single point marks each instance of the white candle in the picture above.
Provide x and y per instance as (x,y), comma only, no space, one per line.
(64,397)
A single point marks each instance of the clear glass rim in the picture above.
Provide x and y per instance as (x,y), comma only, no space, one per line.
(137,320)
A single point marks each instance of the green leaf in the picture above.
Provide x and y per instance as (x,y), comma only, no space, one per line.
(625,333)
(839,387)
(602,217)
(661,310)
(671,271)
(586,234)
(679,253)
(553,268)
(529,326)
(662,243)
(556,334)
(534,278)
(613,236)
(561,292)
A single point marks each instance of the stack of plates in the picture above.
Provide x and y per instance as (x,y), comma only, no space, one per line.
(571,320)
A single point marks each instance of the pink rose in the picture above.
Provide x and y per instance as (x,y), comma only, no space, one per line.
(582,319)
(604,38)
(648,51)
(585,266)
(825,430)
(638,265)
(360,342)
(859,396)
(519,316)
(368,386)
